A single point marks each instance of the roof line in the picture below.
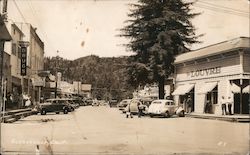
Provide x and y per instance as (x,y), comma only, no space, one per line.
(219,43)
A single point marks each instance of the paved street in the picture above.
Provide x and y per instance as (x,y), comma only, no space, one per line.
(104,130)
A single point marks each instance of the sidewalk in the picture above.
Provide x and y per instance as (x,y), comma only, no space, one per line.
(231,118)
(14,115)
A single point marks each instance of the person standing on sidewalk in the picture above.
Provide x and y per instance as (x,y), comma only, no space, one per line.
(223,106)
(229,105)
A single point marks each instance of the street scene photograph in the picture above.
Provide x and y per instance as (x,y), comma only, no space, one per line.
(124,77)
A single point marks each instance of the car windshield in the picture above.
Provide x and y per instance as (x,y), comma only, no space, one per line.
(125,102)
(169,103)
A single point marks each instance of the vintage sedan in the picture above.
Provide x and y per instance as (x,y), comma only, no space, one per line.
(165,108)
(123,104)
(55,107)
(63,101)
(134,105)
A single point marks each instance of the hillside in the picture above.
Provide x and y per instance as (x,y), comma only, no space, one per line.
(107,75)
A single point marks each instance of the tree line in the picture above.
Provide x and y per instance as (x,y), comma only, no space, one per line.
(108,76)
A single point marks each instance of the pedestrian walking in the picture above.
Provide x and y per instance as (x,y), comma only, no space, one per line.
(140,109)
(223,106)
(229,105)
(128,112)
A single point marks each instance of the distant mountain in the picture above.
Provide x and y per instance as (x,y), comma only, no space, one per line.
(107,75)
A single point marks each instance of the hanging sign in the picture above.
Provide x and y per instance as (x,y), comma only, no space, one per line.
(23,61)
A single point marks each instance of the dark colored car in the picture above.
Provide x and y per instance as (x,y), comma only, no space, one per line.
(113,103)
(80,101)
(56,107)
(63,101)
(89,101)
(123,104)
(74,103)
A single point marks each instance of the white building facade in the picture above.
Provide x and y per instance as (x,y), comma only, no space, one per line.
(214,71)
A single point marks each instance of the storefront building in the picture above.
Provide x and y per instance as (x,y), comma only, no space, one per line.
(214,72)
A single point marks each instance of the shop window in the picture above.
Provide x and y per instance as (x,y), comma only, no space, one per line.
(13,50)
(201,60)
(213,96)
(190,63)
(19,52)
(228,54)
(214,57)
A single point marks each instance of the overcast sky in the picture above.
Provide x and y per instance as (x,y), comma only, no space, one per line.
(78,28)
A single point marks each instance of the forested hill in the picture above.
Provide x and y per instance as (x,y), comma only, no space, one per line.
(107,75)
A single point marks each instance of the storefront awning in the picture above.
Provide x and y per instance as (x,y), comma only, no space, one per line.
(183,89)
(207,87)
(236,89)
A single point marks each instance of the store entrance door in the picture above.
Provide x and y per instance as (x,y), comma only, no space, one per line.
(191,93)
(245,103)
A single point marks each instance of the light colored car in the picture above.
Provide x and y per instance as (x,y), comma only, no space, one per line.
(103,103)
(123,104)
(95,103)
(165,108)
(134,105)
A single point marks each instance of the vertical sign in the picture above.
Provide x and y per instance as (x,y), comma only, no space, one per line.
(23,61)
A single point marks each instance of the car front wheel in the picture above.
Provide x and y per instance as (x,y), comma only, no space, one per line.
(182,114)
(43,112)
(65,111)
(166,115)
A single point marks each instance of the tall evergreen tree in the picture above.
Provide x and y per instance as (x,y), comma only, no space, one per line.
(158,30)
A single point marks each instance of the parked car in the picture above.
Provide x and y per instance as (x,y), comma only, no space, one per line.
(95,103)
(78,101)
(62,101)
(165,108)
(73,103)
(113,103)
(56,107)
(89,101)
(123,104)
(134,105)
(103,103)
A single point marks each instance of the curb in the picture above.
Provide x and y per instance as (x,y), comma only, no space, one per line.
(12,116)
(229,119)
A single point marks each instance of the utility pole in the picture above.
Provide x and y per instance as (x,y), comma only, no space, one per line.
(5,36)
(56,74)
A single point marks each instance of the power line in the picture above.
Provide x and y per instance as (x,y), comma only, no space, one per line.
(221,10)
(20,11)
(34,13)
(219,6)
